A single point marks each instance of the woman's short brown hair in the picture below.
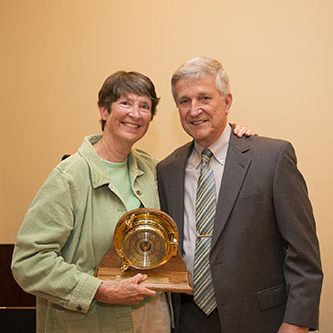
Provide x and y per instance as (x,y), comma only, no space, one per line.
(121,83)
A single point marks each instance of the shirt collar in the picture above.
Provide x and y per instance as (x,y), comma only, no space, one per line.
(99,172)
(219,148)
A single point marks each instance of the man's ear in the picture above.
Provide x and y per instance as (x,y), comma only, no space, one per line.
(103,111)
(228,102)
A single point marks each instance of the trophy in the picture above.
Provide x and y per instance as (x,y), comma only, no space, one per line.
(146,241)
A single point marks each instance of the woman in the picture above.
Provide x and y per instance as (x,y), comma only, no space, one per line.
(69,226)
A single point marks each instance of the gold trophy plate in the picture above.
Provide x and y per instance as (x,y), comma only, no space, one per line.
(146,241)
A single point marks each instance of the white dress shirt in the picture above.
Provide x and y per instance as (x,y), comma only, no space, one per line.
(192,172)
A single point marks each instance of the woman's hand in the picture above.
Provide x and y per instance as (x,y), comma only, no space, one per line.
(240,130)
(289,328)
(127,292)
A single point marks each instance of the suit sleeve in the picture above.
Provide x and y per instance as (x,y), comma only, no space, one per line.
(296,224)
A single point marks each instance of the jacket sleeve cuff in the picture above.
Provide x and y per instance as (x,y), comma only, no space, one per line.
(84,293)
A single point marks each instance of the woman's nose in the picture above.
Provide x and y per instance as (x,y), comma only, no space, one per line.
(135,112)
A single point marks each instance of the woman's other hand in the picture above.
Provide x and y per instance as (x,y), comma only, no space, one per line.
(240,130)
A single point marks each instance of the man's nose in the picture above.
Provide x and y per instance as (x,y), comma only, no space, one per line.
(195,109)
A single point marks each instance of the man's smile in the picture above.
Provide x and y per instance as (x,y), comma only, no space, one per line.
(198,122)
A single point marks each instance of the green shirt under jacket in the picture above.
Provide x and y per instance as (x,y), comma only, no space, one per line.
(67,231)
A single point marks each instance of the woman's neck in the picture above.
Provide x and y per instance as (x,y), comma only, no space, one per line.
(108,150)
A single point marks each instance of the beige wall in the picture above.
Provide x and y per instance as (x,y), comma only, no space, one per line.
(54,56)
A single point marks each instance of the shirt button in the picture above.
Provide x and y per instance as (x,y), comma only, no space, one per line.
(138,192)
(79,308)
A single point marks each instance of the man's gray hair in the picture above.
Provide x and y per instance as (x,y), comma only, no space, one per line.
(199,67)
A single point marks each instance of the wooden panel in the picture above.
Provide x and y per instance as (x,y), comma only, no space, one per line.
(11,295)
(17,321)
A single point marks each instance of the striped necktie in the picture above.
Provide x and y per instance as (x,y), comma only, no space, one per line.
(203,289)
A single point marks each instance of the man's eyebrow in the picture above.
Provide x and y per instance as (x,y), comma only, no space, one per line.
(204,93)
(181,97)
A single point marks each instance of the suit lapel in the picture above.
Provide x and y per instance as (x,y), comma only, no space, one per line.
(176,196)
(234,174)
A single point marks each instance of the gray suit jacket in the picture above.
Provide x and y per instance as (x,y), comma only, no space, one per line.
(264,256)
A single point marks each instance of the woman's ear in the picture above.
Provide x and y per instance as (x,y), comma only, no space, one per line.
(103,111)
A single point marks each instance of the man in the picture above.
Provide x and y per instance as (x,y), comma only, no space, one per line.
(248,236)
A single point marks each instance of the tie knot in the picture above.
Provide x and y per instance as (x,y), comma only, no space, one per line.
(206,156)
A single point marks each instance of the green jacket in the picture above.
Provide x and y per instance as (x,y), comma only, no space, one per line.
(67,231)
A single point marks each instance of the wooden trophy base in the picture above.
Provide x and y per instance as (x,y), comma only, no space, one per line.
(172,276)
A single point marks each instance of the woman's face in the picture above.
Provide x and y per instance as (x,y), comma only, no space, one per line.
(129,118)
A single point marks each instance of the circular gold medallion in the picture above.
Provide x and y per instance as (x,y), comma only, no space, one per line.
(145,239)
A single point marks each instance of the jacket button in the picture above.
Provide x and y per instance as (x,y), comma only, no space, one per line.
(138,192)
(79,308)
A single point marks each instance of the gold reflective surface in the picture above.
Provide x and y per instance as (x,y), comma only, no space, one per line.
(145,239)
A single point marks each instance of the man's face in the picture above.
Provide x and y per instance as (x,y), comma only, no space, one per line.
(203,112)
